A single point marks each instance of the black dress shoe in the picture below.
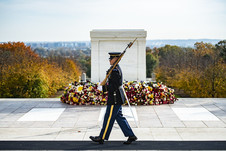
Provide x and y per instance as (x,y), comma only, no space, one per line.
(130,140)
(97,139)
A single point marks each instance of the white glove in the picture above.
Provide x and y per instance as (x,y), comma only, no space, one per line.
(99,87)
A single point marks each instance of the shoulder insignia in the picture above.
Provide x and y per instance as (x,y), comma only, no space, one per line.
(115,70)
(119,71)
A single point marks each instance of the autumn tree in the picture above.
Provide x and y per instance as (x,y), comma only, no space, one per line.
(199,71)
(221,47)
(151,62)
(25,74)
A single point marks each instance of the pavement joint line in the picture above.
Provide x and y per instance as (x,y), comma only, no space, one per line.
(58,133)
(158,117)
(179,134)
(205,124)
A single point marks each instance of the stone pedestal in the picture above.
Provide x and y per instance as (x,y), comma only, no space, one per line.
(83,77)
(133,63)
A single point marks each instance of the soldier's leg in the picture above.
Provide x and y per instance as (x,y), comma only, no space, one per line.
(109,119)
(123,123)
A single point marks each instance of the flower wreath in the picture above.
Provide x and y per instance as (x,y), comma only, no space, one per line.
(138,93)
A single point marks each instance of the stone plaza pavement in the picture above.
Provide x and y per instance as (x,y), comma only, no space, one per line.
(49,119)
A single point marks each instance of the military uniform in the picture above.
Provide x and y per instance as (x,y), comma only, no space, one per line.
(115,80)
(114,108)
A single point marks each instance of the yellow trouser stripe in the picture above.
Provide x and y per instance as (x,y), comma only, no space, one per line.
(109,118)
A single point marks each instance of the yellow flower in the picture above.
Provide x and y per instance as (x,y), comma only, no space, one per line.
(79,88)
(90,88)
(149,88)
(75,99)
(152,95)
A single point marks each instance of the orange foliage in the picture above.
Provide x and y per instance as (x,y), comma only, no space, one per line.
(24,74)
(200,72)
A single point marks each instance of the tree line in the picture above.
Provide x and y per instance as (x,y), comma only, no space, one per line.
(199,71)
(81,57)
(24,74)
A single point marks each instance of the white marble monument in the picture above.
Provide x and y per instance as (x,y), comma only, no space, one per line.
(133,63)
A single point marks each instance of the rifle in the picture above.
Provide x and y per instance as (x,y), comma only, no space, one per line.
(116,62)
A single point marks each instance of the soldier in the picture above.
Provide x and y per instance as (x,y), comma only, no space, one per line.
(114,108)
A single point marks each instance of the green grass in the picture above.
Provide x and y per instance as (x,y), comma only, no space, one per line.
(177,96)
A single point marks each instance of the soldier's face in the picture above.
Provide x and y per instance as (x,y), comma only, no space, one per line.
(112,61)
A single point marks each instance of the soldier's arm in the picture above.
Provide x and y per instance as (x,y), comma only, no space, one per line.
(104,88)
(114,81)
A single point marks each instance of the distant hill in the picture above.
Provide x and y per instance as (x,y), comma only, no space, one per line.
(80,45)
(179,42)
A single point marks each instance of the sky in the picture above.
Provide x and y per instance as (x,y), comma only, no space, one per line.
(72,20)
